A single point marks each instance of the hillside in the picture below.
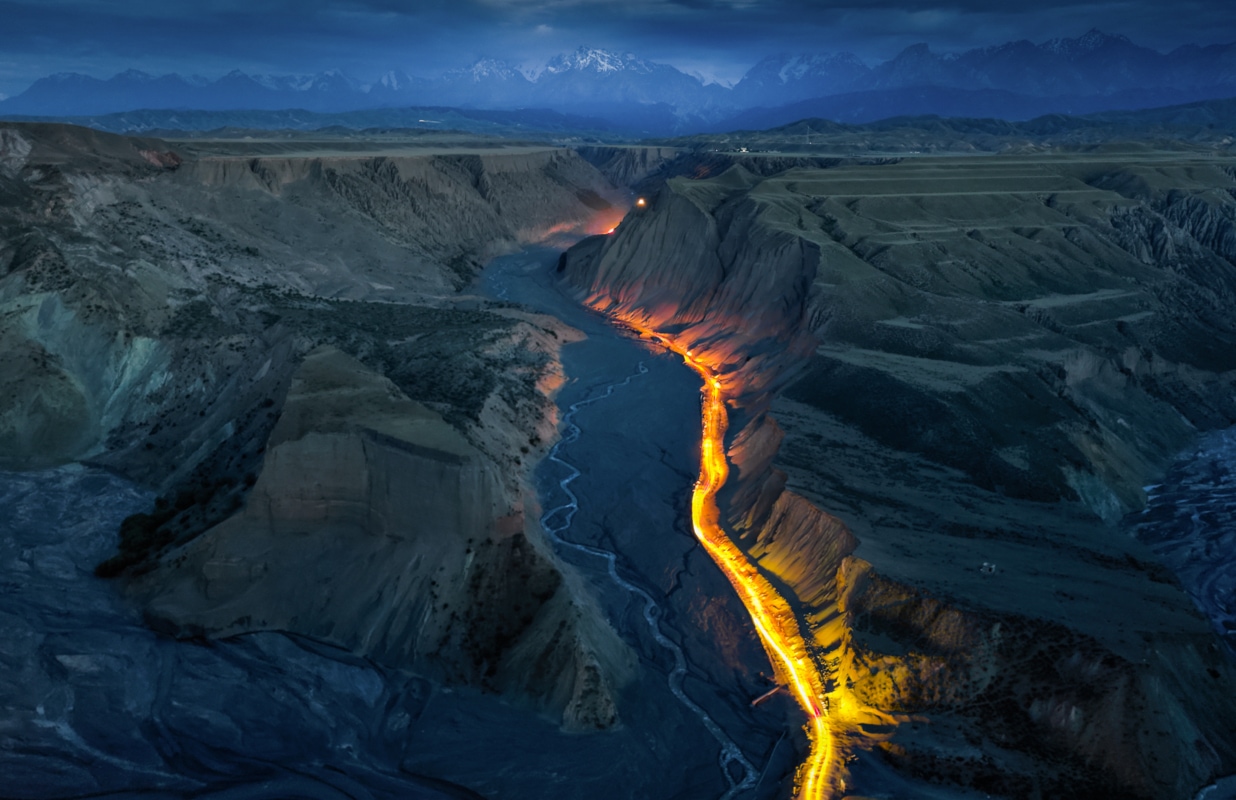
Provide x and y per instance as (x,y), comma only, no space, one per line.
(950,378)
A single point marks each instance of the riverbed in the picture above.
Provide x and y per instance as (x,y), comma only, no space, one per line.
(96,703)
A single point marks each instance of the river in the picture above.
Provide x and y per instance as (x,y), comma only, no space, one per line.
(630,459)
(95,703)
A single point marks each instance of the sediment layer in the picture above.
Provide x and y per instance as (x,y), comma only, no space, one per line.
(340,440)
(974,367)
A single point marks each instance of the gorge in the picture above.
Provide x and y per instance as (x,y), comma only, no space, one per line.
(1021,239)
(400,514)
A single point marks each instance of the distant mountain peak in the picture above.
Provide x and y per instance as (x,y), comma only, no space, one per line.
(394,80)
(272,82)
(330,80)
(789,68)
(134,75)
(1092,70)
(1090,41)
(592,59)
(65,77)
(491,69)
(804,65)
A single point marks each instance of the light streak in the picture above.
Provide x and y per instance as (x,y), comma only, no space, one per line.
(773,617)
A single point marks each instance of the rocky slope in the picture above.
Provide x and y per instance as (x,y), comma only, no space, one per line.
(974,366)
(277,347)
(377,525)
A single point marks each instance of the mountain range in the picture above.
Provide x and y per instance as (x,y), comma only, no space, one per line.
(1016,80)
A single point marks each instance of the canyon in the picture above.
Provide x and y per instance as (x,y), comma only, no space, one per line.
(947,379)
(343,441)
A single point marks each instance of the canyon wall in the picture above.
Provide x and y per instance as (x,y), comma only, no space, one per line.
(646,168)
(376,525)
(141,296)
(341,441)
(974,366)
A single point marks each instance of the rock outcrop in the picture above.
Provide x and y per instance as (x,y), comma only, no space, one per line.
(974,366)
(141,298)
(156,308)
(377,526)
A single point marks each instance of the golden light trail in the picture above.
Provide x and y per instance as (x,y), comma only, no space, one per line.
(774,618)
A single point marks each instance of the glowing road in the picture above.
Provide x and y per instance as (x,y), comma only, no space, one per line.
(774,618)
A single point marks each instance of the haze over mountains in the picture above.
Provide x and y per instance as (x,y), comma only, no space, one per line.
(1016,80)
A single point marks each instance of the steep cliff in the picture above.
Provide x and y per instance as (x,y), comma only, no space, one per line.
(974,366)
(376,525)
(646,168)
(144,292)
(156,309)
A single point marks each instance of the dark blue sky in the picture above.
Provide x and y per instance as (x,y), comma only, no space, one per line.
(720,38)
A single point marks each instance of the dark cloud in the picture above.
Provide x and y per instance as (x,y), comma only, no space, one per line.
(366,37)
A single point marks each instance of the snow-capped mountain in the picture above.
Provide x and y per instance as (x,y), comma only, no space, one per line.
(492,69)
(639,94)
(601,62)
(489,83)
(591,76)
(1093,64)
(1089,42)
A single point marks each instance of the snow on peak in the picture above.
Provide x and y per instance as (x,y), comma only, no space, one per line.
(591,59)
(807,65)
(484,70)
(393,80)
(1088,42)
(273,82)
(492,68)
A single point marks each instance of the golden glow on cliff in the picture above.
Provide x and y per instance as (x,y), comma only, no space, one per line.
(774,618)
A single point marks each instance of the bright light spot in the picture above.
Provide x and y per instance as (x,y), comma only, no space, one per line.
(641,202)
(611,230)
(790,643)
